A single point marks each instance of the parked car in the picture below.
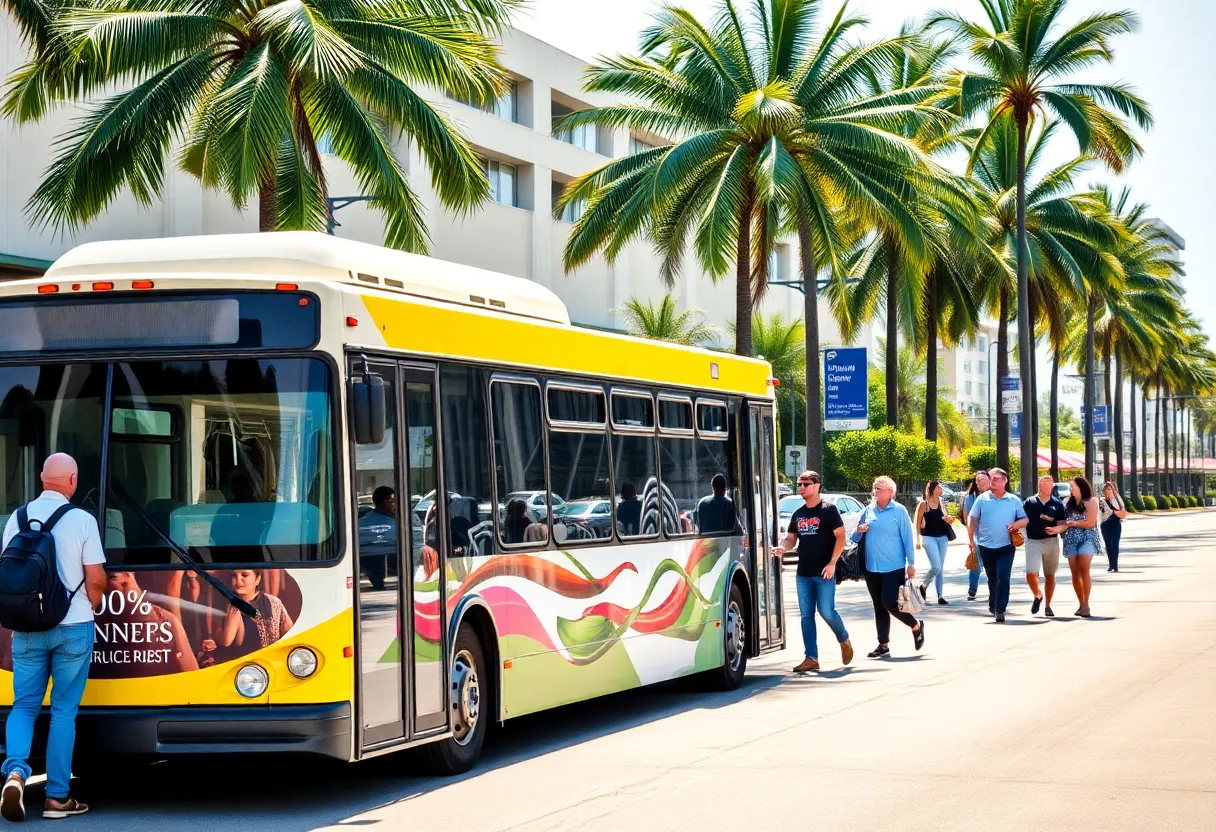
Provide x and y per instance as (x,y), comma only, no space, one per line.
(535,501)
(785,489)
(1061,490)
(592,514)
(949,495)
(850,513)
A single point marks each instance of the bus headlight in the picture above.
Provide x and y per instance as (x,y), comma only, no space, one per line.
(252,681)
(302,662)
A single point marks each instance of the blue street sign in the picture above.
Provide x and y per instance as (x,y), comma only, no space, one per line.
(1015,426)
(846,394)
(1101,421)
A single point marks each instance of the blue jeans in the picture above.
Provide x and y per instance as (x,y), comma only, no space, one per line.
(62,654)
(935,548)
(973,576)
(998,564)
(1112,533)
(818,593)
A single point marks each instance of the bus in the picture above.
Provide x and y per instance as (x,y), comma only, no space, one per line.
(355,500)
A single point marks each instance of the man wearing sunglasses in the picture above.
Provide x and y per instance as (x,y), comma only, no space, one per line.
(817,530)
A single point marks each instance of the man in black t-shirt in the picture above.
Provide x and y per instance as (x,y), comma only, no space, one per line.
(818,533)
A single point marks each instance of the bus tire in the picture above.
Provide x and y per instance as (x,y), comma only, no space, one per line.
(468,693)
(734,644)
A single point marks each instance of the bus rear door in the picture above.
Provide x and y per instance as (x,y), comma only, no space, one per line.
(766,578)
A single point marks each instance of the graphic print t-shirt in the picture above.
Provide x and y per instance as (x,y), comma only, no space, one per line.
(816,529)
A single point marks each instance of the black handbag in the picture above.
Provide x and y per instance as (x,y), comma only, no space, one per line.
(850,565)
(951,534)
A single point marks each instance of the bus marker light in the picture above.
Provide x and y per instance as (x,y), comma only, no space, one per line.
(506,665)
(103,286)
(776,382)
(347,652)
(286,287)
(302,302)
(48,289)
(142,284)
(352,321)
(75,287)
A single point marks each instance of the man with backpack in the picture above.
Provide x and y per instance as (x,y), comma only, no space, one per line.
(52,576)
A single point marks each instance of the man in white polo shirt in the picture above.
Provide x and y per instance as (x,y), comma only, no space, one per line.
(62,653)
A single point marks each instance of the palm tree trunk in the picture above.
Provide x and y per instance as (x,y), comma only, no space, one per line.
(1032,396)
(1025,345)
(1053,416)
(810,289)
(1002,370)
(1161,462)
(1107,401)
(892,333)
(743,278)
(1131,417)
(1117,437)
(268,207)
(1090,456)
(931,360)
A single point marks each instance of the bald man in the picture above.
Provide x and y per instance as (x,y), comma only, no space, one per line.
(61,654)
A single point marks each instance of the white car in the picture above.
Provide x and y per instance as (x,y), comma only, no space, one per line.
(535,501)
(850,513)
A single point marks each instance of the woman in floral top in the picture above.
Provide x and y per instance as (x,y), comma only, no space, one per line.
(1081,538)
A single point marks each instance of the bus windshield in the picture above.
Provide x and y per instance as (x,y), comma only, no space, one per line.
(232,458)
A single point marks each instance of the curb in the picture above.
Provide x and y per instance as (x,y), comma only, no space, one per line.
(1168,513)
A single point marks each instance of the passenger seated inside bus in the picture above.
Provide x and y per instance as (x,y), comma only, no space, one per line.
(234,528)
(378,536)
(629,511)
(715,514)
(516,523)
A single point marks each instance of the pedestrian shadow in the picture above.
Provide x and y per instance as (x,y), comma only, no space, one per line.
(1097,618)
(838,673)
(904,659)
(1021,622)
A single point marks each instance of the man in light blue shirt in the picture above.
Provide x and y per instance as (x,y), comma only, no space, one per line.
(993,516)
(885,532)
(982,485)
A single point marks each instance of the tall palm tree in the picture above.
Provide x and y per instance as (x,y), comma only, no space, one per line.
(246,88)
(663,321)
(771,133)
(1063,229)
(1025,58)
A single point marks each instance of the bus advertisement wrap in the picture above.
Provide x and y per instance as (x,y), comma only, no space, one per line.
(161,623)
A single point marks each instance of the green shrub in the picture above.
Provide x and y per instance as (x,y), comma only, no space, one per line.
(1149,502)
(865,454)
(1192,501)
(983,457)
(1130,504)
(1171,502)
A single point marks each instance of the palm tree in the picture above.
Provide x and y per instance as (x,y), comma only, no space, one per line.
(663,321)
(1022,74)
(773,134)
(246,89)
(1064,233)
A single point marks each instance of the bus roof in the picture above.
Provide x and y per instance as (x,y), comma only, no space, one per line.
(308,254)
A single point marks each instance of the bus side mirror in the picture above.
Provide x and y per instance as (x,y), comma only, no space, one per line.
(370,418)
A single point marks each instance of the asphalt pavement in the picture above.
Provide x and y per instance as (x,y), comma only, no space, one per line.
(1065,723)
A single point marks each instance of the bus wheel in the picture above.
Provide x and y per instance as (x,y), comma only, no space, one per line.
(469,689)
(734,645)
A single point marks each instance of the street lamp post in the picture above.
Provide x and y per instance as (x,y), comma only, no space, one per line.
(337,203)
(992,392)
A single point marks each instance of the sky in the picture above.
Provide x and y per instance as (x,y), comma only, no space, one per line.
(1169,61)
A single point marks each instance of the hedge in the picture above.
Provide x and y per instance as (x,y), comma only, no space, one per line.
(1149,502)
(863,455)
(983,457)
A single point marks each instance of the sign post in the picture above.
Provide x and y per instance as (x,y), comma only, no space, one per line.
(1015,426)
(794,453)
(1011,395)
(1101,421)
(846,394)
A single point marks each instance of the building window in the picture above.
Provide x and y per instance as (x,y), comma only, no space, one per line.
(325,144)
(983,343)
(505,108)
(983,391)
(502,178)
(983,368)
(583,137)
(636,145)
(967,367)
(967,388)
(573,212)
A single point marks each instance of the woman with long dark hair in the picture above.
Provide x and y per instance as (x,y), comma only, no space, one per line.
(931,525)
(980,483)
(1081,541)
(1112,526)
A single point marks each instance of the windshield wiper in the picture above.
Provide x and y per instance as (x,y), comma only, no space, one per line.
(235,600)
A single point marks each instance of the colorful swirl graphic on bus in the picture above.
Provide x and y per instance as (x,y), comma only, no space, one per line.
(160,623)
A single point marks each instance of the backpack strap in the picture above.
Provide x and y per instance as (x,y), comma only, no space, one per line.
(55,517)
(23,520)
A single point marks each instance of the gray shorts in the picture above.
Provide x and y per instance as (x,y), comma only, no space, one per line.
(1043,555)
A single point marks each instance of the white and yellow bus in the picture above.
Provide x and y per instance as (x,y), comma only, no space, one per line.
(356,500)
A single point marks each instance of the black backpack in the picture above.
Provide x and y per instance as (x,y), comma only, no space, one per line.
(33,599)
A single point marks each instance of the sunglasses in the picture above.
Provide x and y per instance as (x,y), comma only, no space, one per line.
(808,482)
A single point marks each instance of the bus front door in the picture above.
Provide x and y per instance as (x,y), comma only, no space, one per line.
(401,623)
(770,607)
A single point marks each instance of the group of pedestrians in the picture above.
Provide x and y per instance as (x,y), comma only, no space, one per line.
(996,521)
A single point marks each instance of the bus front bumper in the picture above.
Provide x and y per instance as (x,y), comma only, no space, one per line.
(314,730)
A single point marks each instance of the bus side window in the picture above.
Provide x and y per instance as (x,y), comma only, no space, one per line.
(519,456)
(466,460)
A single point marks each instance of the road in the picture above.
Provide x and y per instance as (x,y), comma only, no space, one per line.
(1072,724)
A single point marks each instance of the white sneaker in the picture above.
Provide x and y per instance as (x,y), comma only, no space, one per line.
(12,799)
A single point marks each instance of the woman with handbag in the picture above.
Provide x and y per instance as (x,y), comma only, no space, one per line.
(1112,524)
(934,531)
(1081,539)
(890,557)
